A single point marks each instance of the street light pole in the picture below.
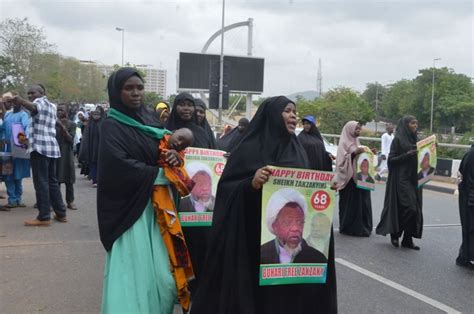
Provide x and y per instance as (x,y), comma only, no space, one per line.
(221,70)
(376,106)
(120,29)
(432,95)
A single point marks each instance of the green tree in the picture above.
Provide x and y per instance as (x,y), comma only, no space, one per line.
(341,105)
(453,95)
(10,78)
(20,41)
(306,107)
(398,100)
(374,93)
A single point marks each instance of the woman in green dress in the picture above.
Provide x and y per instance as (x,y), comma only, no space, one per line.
(137,276)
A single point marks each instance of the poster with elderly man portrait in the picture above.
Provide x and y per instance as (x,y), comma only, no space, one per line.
(427,159)
(297,211)
(204,167)
(365,172)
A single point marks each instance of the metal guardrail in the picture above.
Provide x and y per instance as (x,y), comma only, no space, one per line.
(377,139)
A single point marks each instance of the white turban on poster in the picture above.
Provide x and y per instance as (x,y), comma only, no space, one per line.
(278,200)
(195,167)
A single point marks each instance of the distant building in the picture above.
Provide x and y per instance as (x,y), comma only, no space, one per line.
(106,70)
(155,79)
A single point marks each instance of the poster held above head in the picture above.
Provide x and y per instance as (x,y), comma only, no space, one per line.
(427,159)
(297,211)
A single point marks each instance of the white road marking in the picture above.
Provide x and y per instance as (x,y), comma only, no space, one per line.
(399,287)
(424,226)
(441,225)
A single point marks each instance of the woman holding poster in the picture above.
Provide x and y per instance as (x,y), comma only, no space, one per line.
(402,210)
(183,115)
(355,206)
(230,281)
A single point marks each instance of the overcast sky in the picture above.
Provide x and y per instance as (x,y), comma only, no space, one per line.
(357,41)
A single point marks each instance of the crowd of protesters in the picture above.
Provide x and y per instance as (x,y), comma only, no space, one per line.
(127,154)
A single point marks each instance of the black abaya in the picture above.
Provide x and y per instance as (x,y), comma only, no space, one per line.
(466,209)
(402,211)
(205,124)
(127,165)
(355,211)
(229,283)
(313,144)
(196,237)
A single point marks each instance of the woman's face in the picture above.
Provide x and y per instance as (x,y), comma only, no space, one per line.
(200,114)
(133,93)
(413,126)
(357,130)
(306,126)
(185,110)
(289,117)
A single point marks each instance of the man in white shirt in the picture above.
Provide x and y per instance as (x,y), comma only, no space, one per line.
(387,139)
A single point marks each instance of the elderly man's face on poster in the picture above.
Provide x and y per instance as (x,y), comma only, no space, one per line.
(202,190)
(364,167)
(289,224)
(425,163)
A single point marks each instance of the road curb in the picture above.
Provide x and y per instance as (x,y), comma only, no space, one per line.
(441,189)
(436,188)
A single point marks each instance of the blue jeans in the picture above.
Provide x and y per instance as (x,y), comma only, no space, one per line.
(14,191)
(46,185)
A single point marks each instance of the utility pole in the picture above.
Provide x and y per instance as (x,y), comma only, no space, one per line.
(319,80)
(120,29)
(432,95)
(249,102)
(221,70)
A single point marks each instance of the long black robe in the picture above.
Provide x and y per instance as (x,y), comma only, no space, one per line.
(205,124)
(229,282)
(224,142)
(466,208)
(89,152)
(355,211)
(402,210)
(196,237)
(313,144)
(126,166)
(65,170)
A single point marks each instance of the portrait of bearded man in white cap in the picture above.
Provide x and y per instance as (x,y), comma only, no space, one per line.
(285,218)
(200,199)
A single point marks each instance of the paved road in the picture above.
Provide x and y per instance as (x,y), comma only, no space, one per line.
(59,269)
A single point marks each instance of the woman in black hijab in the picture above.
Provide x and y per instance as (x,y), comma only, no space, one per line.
(201,120)
(183,115)
(313,143)
(137,276)
(229,282)
(466,211)
(402,211)
(89,152)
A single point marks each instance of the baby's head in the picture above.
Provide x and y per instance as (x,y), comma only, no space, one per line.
(180,139)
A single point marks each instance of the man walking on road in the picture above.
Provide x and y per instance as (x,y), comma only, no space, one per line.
(44,153)
(387,139)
